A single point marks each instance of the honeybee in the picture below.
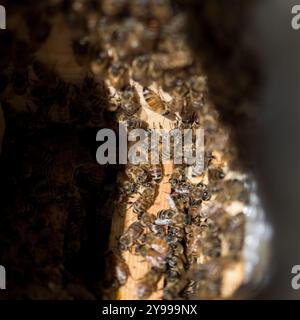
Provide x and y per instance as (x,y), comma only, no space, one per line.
(189,290)
(158,244)
(197,100)
(208,277)
(148,220)
(175,234)
(169,217)
(172,289)
(130,102)
(154,71)
(232,190)
(146,199)
(131,235)
(209,225)
(177,176)
(198,83)
(215,174)
(155,102)
(127,188)
(100,60)
(182,194)
(183,188)
(155,259)
(234,234)
(140,67)
(118,75)
(178,202)
(177,260)
(149,283)
(188,115)
(117,270)
(164,217)
(195,213)
(156,171)
(176,267)
(157,230)
(136,174)
(201,241)
(180,87)
(199,193)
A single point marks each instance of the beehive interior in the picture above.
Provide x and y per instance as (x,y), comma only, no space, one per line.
(79,66)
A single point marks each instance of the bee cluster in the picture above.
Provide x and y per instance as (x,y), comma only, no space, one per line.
(135,57)
(140,49)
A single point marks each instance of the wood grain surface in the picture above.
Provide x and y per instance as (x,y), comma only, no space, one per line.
(138,267)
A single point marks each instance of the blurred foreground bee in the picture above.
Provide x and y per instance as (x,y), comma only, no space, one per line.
(117,270)
(215,174)
(140,67)
(234,235)
(118,75)
(208,278)
(199,91)
(232,190)
(154,258)
(149,283)
(100,60)
(202,243)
